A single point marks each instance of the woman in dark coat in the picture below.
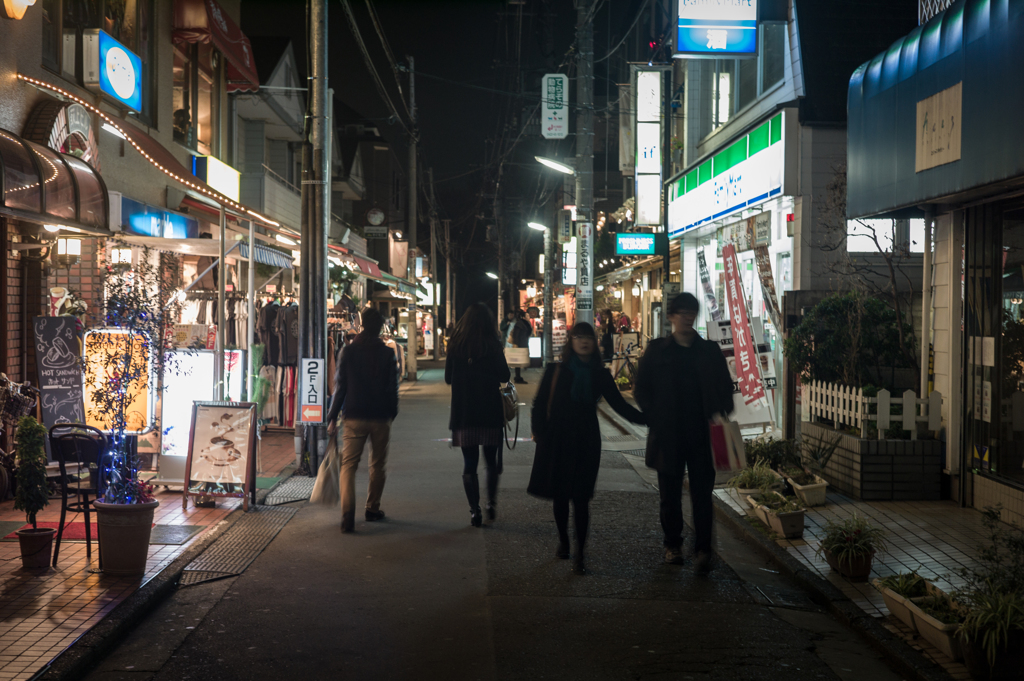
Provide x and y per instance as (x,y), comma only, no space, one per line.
(564,421)
(476,369)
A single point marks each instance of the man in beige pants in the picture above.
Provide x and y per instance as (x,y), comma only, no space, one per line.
(366,396)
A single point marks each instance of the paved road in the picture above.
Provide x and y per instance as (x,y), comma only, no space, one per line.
(423,595)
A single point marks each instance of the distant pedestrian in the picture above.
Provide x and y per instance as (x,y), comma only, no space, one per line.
(517,331)
(475,369)
(607,336)
(568,436)
(366,396)
(683,383)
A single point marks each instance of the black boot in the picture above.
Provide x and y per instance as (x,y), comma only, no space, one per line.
(563,547)
(492,495)
(578,568)
(472,484)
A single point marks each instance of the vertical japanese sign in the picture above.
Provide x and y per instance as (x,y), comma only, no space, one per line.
(710,301)
(585,268)
(554,120)
(764,269)
(747,370)
(647,89)
(564,226)
(311,401)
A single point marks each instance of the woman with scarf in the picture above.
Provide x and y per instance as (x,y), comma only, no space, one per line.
(565,427)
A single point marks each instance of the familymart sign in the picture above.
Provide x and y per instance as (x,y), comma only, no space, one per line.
(749,171)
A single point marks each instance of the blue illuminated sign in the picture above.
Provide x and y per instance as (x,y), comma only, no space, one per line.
(634,244)
(120,72)
(718,28)
(144,220)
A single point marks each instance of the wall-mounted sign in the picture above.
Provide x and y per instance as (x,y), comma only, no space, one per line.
(218,175)
(634,244)
(938,129)
(564,226)
(716,29)
(375,231)
(112,68)
(647,83)
(145,220)
(312,397)
(554,106)
(66,128)
(585,268)
(762,223)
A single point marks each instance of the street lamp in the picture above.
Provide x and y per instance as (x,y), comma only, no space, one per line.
(492,275)
(536,225)
(556,165)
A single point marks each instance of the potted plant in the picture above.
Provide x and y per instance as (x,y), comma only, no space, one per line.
(897,590)
(127,354)
(752,480)
(992,634)
(784,515)
(938,621)
(623,383)
(850,545)
(807,486)
(32,493)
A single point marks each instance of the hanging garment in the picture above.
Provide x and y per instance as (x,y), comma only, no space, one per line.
(269,411)
(288,335)
(267,327)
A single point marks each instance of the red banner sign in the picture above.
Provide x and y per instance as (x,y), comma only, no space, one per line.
(748,370)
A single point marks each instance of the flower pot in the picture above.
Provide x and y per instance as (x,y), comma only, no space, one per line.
(942,636)
(124,536)
(898,605)
(36,547)
(857,569)
(1009,660)
(789,525)
(810,495)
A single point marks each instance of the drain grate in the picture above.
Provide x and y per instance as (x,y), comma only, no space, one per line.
(291,490)
(232,553)
(638,453)
(618,438)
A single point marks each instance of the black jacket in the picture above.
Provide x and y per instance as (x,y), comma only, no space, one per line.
(569,443)
(476,402)
(658,396)
(365,381)
(521,332)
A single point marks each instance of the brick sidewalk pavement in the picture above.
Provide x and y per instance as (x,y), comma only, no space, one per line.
(41,614)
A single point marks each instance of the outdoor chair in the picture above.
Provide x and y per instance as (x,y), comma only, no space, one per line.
(75,443)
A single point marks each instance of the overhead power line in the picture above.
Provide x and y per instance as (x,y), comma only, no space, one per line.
(390,55)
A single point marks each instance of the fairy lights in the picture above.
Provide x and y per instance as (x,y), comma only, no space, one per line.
(108,121)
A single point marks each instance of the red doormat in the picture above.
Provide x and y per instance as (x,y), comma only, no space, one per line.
(72,531)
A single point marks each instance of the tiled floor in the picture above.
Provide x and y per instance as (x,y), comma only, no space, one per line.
(932,538)
(41,614)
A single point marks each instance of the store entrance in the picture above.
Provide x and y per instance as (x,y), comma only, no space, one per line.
(993,341)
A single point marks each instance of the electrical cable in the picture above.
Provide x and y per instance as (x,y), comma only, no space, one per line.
(387,51)
(639,14)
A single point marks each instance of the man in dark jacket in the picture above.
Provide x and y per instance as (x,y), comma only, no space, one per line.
(366,395)
(683,382)
(517,331)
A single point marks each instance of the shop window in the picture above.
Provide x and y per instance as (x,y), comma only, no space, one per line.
(773,51)
(196,97)
(725,72)
(746,91)
(181,94)
(130,22)
(873,236)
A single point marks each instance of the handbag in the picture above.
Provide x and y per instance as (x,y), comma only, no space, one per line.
(510,411)
(326,490)
(727,447)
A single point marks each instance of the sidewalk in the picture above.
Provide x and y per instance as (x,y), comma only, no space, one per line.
(41,614)
(932,538)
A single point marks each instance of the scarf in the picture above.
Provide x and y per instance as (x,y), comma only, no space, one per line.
(582,375)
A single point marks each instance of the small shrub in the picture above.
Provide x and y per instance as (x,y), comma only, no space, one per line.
(851,538)
(906,584)
(777,453)
(758,476)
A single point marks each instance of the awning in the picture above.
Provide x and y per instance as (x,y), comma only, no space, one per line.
(209,248)
(43,186)
(268,256)
(368,268)
(204,21)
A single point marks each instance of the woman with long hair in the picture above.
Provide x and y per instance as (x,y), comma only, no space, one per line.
(565,427)
(475,369)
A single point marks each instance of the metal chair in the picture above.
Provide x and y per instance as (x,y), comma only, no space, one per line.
(76,443)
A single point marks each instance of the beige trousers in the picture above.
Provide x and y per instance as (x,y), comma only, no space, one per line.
(354,434)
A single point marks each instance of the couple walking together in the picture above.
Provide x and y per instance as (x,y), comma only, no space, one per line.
(682,384)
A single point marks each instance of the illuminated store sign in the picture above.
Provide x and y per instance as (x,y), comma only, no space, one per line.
(634,244)
(715,29)
(218,175)
(648,134)
(145,220)
(112,68)
(749,171)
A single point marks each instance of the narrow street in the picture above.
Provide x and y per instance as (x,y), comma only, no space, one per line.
(422,595)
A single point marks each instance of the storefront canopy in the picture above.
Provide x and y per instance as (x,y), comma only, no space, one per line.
(209,248)
(43,186)
(204,21)
(936,116)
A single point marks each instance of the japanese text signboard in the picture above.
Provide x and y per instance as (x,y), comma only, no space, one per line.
(747,370)
(764,270)
(554,115)
(311,401)
(585,269)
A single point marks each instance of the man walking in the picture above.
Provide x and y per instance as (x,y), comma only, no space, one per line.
(366,395)
(682,383)
(517,331)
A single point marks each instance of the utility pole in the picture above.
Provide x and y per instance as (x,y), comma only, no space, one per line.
(411,344)
(585,160)
(549,309)
(448,307)
(433,267)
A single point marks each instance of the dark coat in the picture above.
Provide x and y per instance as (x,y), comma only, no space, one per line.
(476,402)
(521,332)
(365,381)
(657,395)
(569,443)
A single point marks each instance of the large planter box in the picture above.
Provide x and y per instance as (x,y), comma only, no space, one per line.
(881,470)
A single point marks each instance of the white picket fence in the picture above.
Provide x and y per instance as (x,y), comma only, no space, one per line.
(847,406)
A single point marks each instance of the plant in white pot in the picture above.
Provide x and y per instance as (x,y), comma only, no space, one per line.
(32,493)
(784,515)
(127,355)
(897,590)
(758,477)
(807,482)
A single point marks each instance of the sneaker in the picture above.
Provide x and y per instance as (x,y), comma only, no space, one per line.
(702,562)
(374,515)
(673,556)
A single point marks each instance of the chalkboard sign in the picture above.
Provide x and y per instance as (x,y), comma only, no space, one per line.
(59,366)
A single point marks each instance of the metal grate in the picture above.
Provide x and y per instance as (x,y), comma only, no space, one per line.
(926,9)
(233,552)
(618,438)
(291,490)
